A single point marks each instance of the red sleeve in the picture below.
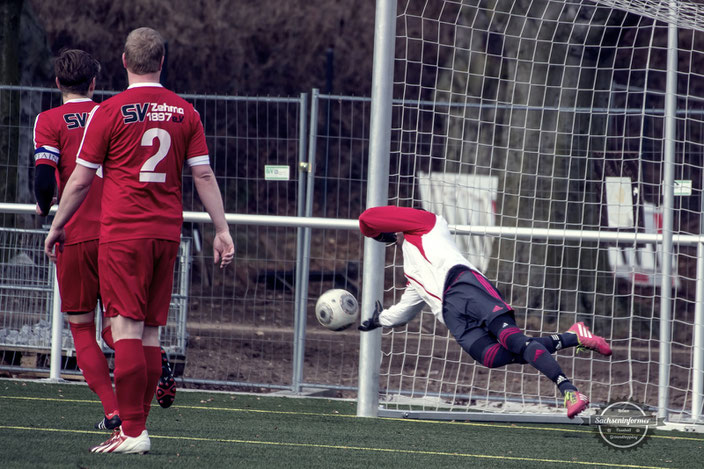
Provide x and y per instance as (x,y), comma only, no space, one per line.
(95,138)
(46,142)
(390,219)
(196,144)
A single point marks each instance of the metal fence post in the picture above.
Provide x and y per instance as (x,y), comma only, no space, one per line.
(377,194)
(300,211)
(305,209)
(57,327)
(698,341)
(668,218)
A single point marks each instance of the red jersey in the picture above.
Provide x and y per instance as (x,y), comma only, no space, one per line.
(142,137)
(57,136)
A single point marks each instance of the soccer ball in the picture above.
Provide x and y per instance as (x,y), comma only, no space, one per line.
(336,309)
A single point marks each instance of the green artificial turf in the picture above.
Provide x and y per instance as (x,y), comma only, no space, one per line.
(51,425)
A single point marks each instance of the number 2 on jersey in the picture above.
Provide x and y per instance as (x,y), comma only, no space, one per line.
(147,172)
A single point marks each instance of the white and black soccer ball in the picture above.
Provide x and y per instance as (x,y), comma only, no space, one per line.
(337,309)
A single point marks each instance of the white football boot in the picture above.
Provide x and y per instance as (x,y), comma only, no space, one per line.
(121,443)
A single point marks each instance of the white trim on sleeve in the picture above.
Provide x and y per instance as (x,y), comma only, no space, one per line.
(87,164)
(34,130)
(198,160)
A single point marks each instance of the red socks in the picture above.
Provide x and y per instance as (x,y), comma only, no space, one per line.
(137,372)
(131,384)
(153,357)
(93,364)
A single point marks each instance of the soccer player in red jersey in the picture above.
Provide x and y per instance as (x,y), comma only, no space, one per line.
(57,135)
(142,137)
(460,297)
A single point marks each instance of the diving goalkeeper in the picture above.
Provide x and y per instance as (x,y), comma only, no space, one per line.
(465,301)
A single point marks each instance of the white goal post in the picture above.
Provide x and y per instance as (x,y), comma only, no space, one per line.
(572,131)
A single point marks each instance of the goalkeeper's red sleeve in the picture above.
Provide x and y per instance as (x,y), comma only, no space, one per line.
(390,219)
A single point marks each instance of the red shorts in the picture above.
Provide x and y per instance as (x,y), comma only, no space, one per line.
(137,276)
(77,273)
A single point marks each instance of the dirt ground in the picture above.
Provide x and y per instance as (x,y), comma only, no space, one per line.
(236,346)
(258,356)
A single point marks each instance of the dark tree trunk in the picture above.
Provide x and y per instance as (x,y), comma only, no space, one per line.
(10,15)
(529,77)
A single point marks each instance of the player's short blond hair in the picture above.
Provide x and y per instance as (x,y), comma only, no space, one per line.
(144,49)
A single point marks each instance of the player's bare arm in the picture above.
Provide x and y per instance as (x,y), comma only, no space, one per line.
(72,198)
(209,193)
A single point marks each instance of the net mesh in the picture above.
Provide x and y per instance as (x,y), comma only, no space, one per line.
(541,114)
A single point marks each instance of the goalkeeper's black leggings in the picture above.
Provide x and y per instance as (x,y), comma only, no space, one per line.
(505,343)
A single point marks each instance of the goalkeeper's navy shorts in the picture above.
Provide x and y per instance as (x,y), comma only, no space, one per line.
(470,304)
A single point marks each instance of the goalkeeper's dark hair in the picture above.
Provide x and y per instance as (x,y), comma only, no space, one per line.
(386,238)
(75,70)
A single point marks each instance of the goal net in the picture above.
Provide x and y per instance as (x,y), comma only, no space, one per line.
(549,115)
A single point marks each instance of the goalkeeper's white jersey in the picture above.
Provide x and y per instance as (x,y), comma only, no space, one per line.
(429,252)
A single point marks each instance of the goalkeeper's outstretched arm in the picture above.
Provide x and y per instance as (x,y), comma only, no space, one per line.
(406,309)
(399,314)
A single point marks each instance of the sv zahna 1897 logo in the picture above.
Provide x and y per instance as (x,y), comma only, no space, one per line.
(623,424)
